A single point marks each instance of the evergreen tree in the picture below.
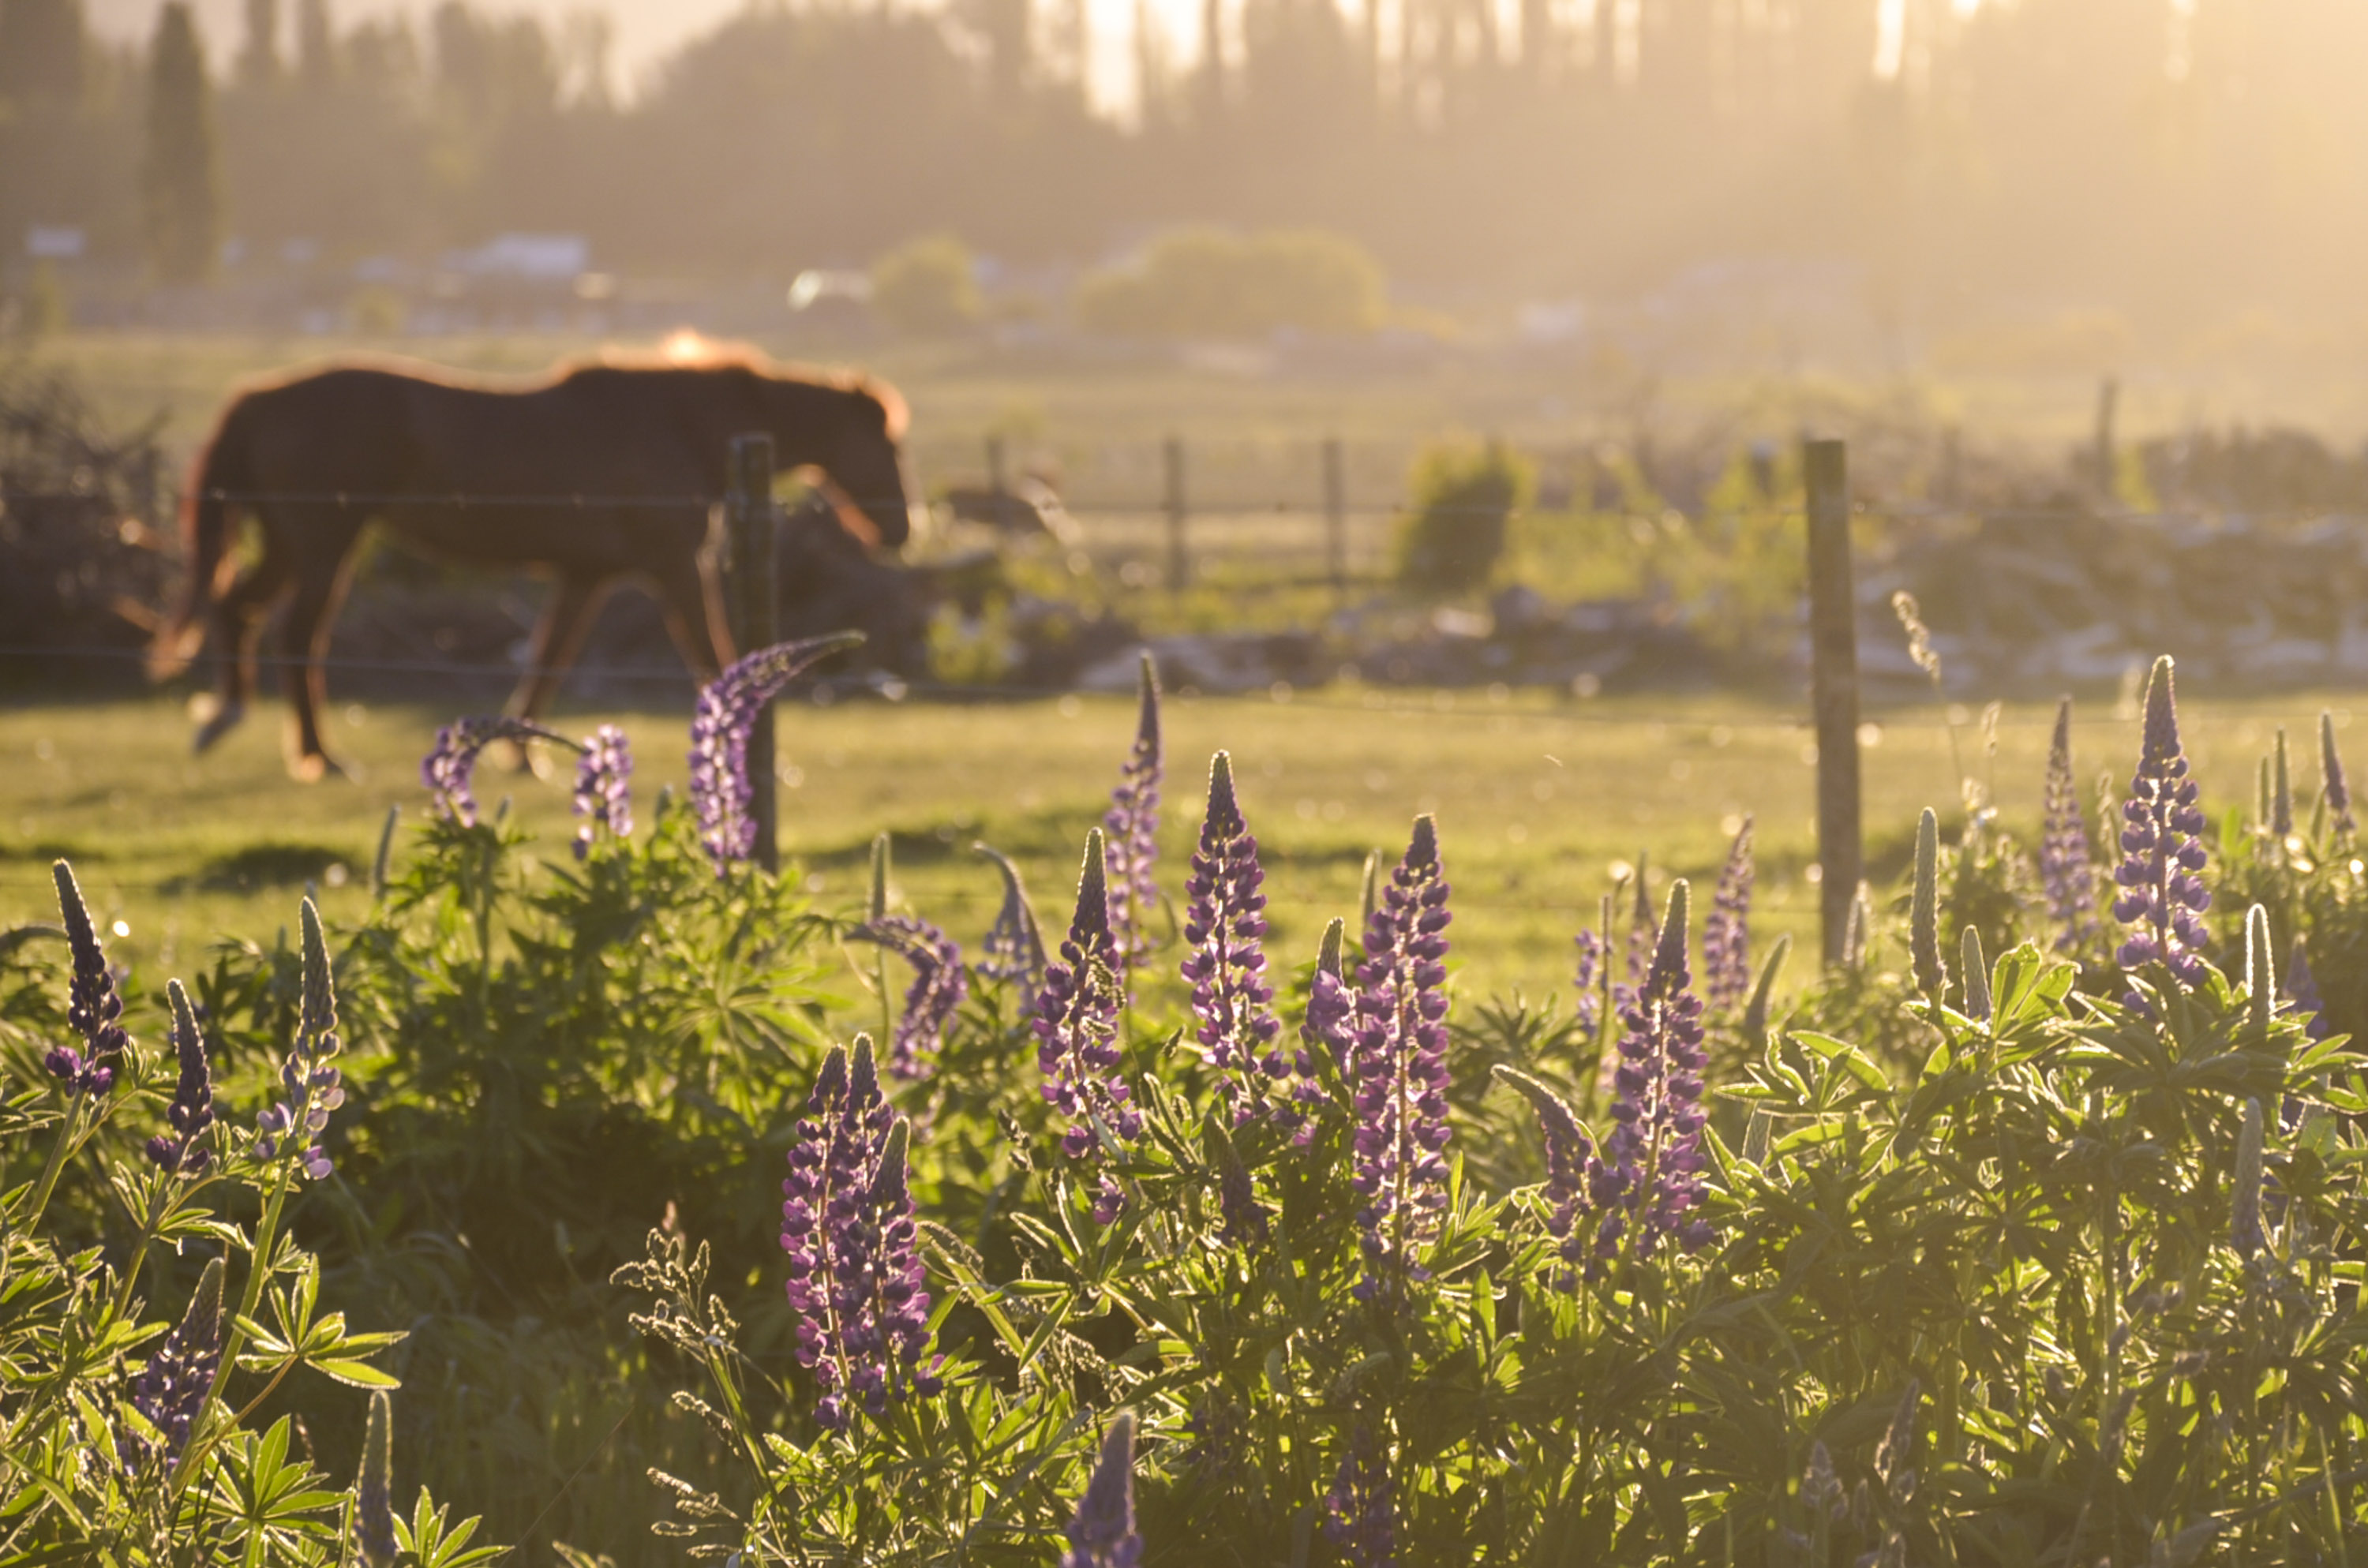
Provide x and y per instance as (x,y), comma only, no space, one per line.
(316,44)
(259,56)
(41,51)
(181,174)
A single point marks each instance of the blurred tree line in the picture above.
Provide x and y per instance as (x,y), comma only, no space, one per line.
(2153,152)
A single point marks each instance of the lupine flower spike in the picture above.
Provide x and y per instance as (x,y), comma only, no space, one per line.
(1233,1006)
(939,982)
(1726,934)
(92,1005)
(308,1078)
(1133,825)
(2163,896)
(1648,1180)
(1102,1535)
(1326,1034)
(2280,791)
(1076,1032)
(2066,874)
(1975,975)
(374,1486)
(1014,949)
(1644,934)
(192,1110)
(1398,1070)
(727,710)
(604,796)
(1586,979)
(449,770)
(172,1391)
(1360,1511)
(1924,909)
(1570,1153)
(2333,789)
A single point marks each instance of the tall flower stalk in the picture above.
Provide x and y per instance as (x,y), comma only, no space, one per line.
(2067,876)
(2163,897)
(938,987)
(2334,790)
(191,1112)
(1133,826)
(1726,933)
(604,796)
(1076,1032)
(92,1005)
(1648,1181)
(1360,1511)
(450,768)
(1398,1072)
(1570,1160)
(1233,1006)
(1102,1534)
(1326,1034)
(170,1391)
(728,705)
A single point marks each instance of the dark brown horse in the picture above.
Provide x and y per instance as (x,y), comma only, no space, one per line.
(598,472)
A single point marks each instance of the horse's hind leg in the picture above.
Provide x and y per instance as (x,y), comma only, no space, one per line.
(692,601)
(305,643)
(238,617)
(557,641)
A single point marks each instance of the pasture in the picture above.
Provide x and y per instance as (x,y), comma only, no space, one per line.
(1537,799)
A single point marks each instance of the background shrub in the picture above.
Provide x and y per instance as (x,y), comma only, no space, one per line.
(1464,497)
(1206,283)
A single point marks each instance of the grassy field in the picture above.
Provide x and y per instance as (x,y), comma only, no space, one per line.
(1536,801)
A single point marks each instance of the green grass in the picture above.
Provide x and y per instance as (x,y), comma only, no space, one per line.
(1536,800)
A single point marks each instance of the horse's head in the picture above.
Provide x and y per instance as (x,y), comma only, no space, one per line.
(852,433)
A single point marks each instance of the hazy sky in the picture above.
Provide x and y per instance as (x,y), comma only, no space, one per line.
(646,30)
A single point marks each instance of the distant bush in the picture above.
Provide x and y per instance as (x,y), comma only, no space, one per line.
(1203,283)
(925,289)
(1463,497)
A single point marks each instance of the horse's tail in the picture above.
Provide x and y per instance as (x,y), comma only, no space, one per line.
(220,467)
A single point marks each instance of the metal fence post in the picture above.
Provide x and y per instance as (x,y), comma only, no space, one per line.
(1179,560)
(1336,516)
(755,616)
(1833,652)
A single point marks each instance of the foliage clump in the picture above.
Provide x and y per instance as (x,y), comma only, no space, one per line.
(1464,498)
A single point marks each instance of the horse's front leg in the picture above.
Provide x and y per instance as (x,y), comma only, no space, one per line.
(305,646)
(558,638)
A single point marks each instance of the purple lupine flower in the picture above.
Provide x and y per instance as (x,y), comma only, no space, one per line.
(1570,1155)
(450,766)
(1398,1070)
(1589,979)
(1326,1034)
(939,985)
(1649,1177)
(93,1004)
(374,1486)
(2066,873)
(2333,789)
(1243,1217)
(1102,1534)
(886,1312)
(1133,824)
(192,1110)
(1726,934)
(1360,1511)
(604,796)
(727,710)
(1014,949)
(2163,896)
(1077,1031)
(171,1392)
(308,1077)
(1226,968)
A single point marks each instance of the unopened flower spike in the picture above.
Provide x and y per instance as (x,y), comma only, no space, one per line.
(2162,897)
(1133,824)
(1398,1072)
(721,791)
(1014,949)
(1924,909)
(1858,931)
(1726,933)
(1326,1033)
(449,770)
(1975,975)
(2333,789)
(374,1486)
(309,1078)
(92,1005)
(2066,874)
(1369,891)
(192,1110)
(1101,1534)
(1075,1024)
(172,1390)
(2260,971)
(2281,790)
(604,793)
(1233,1006)
(1644,931)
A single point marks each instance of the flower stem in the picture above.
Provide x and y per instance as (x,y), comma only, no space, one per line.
(67,1127)
(258,1269)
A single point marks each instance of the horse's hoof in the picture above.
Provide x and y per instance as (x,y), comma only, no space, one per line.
(220,723)
(312,767)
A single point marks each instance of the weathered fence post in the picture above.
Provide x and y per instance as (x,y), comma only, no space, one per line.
(750,516)
(1833,684)
(1179,559)
(1336,516)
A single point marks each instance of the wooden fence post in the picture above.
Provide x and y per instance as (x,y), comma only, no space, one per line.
(1336,516)
(1179,559)
(1833,684)
(756,622)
